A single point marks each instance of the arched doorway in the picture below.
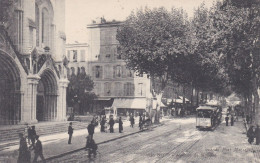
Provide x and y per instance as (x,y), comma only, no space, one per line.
(10,97)
(46,104)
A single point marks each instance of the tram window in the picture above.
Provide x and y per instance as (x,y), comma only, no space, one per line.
(204,114)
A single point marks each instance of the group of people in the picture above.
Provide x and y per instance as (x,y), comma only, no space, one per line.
(231,120)
(27,144)
(111,123)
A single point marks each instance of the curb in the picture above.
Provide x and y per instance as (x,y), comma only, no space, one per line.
(120,137)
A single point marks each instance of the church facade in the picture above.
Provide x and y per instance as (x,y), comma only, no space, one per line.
(33,73)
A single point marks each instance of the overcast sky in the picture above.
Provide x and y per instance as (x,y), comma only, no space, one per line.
(79,13)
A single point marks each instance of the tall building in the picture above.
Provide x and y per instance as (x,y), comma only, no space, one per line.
(33,79)
(113,80)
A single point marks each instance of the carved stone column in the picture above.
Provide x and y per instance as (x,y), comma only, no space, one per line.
(30,113)
(61,100)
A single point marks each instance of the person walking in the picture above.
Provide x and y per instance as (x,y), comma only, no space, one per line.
(33,135)
(29,135)
(91,129)
(226,119)
(132,121)
(232,121)
(140,122)
(251,134)
(120,125)
(247,119)
(38,150)
(91,146)
(70,132)
(24,153)
(102,124)
(257,135)
(111,124)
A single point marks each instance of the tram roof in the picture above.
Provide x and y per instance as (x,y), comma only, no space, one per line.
(207,107)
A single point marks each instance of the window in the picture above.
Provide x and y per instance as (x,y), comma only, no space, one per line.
(129,89)
(97,88)
(68,54)
(82,54)
(107,89)
(97,72)
(75,55)
(118,71)
(37,22)
(31,37)
(118,89)
(141,89)
(118,53)
(45,27)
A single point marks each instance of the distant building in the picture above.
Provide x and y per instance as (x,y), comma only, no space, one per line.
(77,55)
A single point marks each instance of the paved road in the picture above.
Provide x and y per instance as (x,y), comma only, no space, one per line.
(176,141)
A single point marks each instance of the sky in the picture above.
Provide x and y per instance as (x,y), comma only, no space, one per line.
(80,13)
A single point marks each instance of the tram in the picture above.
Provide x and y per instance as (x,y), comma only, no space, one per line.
(208,116)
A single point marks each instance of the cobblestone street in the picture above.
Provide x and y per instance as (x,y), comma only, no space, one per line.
(176,141)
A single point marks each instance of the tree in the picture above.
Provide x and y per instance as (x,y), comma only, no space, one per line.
(152,40)
(236,25)
(79,91)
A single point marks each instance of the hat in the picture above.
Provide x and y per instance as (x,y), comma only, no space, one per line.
(70,123)
(37,136)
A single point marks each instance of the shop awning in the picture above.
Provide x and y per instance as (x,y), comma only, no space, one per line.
(137,103)
(178,101)
(186,100)
(102,99)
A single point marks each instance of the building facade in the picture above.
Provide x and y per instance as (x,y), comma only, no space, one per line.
(113,80)
(33,79)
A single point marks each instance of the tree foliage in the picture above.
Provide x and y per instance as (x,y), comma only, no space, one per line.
(80,91)
(6,10)
(152,40)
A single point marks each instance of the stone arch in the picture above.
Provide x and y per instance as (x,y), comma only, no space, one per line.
(10,92)
(47,93)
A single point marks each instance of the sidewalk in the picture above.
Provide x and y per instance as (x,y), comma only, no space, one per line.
(57,144)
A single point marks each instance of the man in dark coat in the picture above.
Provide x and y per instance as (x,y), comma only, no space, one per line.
(251,135)
(38,150)
(24,153)
(247,119)
(140,122)
(102,124)
(111,124)
(70,132)
(29,135)
(33,134)
(257,135)
(132,120)
(91,146)
(91,129)
(226,119)
(120,125)
(232,121)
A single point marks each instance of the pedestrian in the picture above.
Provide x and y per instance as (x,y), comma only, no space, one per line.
(29,135)
(38,150)
(102,124)
(24,153)
(251,134)
(132,121)
(120,125)
(140,122)
(226,119)
(91,129)
(25,133)
(33,135)
(247,119)
(111,124)
(232,121)
(91,146)
(70,132)
(257,135)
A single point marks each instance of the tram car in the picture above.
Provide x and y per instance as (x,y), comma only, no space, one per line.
(208,116)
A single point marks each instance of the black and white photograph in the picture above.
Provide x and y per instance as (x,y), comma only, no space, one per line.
(129,81)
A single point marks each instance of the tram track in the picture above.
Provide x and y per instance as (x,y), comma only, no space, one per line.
(126,145)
